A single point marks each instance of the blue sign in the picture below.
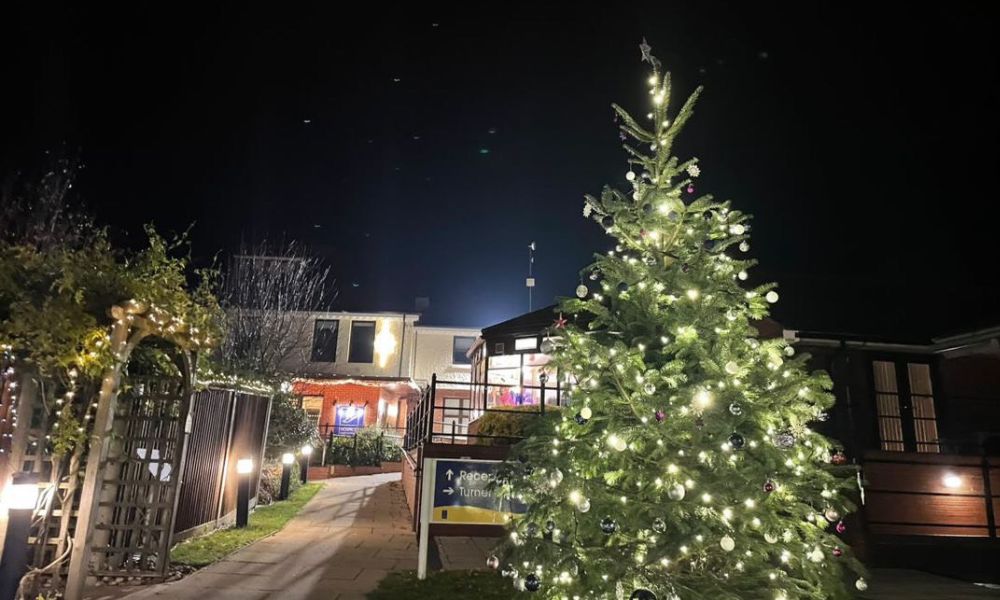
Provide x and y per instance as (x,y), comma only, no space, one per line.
(348,419)
(463,494)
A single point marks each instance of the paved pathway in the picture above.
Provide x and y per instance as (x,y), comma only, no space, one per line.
(350,535)
(903,584)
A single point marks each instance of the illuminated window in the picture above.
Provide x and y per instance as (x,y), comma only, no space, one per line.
(526,343)
(904,406)
(459,346)
(324,348)
(313,405)
(362,345)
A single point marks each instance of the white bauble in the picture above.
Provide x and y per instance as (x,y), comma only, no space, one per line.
(727,543)
(677,492)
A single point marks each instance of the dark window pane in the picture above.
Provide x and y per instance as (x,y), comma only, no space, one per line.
(362,342)
(460,346)
(325,341)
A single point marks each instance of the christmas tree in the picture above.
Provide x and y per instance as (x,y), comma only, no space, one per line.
(684,466)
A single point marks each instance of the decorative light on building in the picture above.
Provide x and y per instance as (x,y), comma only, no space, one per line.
(385,344)
(951,480)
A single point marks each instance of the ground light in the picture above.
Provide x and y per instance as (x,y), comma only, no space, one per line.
(244,467)
(307,451)
(287,460)
(20,499)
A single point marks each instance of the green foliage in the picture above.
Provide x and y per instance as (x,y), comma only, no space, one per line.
(404,585)
(264,521)
(509,424)
(270,480)
(56,305)
(369,447)
(290,427)
(685,464)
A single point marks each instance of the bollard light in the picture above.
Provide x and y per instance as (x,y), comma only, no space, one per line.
(287,460)
(20,498)
(307,451)
(244,467)
(21,495)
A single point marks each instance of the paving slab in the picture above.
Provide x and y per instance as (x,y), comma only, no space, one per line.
(352,533)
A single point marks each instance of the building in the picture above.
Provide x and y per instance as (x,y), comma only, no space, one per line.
(359,369)
(920,418)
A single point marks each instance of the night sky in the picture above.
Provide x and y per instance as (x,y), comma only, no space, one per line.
(421,153)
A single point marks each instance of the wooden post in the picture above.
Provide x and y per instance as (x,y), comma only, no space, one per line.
(226,458)
(263,449)
(991,521)
(100,443)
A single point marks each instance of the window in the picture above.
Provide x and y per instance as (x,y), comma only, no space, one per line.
(324,347)
(922,404)
(362,344)
(313,405)
(460,345)
(456,415)
(526,343)
(904,406)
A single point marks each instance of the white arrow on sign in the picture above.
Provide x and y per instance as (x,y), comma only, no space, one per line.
(448,491)
(449,473)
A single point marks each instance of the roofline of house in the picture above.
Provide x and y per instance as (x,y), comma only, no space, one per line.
(446,329)
(976,342)
(319,379)
(413,317)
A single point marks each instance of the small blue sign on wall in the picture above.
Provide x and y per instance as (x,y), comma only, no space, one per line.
(463,494)
(348,420)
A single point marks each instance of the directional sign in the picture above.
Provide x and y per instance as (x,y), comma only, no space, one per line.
(463,493)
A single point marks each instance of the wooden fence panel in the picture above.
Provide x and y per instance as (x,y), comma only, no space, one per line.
(249,428)
(203,469)
(930,494)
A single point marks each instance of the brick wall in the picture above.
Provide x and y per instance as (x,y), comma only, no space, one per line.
(341,394)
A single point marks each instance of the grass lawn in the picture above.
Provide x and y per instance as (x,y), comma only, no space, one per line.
(264,521)
(481,585)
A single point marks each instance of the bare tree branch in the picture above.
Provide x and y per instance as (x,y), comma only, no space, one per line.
(265,291)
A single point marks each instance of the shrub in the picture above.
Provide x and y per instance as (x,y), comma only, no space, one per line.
(369,447)
(510,424)
(290,427)
(270,481)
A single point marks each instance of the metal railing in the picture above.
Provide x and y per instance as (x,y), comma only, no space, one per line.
(345,445)
(426,421)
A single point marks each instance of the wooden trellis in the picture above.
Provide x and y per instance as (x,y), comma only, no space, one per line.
(140,480)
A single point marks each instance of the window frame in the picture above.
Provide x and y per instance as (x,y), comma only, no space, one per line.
(336,340)
(350,342)
(466,360)
(905,395)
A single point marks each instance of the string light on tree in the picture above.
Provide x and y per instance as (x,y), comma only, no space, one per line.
(669,464)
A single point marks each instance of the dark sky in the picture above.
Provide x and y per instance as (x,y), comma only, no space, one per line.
(438,145)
